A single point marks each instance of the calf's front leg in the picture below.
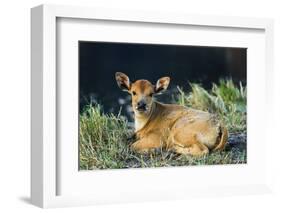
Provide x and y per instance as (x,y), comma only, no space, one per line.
(147,144)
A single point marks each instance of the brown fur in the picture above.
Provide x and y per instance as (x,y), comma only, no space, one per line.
(181,129)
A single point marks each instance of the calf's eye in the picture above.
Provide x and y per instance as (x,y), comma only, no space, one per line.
(134,93)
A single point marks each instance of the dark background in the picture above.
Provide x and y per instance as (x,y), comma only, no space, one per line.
(98,62)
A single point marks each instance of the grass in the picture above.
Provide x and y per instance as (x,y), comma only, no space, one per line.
(102,139)
(105,138)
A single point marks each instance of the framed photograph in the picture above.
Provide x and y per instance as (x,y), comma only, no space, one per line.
(129,106)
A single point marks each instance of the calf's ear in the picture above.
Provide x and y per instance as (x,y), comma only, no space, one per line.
(123,81)
(162,84)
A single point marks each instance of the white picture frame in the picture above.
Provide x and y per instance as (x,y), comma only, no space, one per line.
(45,178)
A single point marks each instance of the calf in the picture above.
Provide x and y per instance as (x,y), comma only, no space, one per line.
(170,126)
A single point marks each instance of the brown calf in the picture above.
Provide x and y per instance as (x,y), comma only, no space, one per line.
(178,128)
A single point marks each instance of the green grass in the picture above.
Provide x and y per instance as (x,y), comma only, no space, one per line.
(104,139)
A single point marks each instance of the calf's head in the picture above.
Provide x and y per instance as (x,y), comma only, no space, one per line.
(142,91)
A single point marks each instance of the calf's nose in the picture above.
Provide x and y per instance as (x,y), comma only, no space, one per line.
(141,105)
